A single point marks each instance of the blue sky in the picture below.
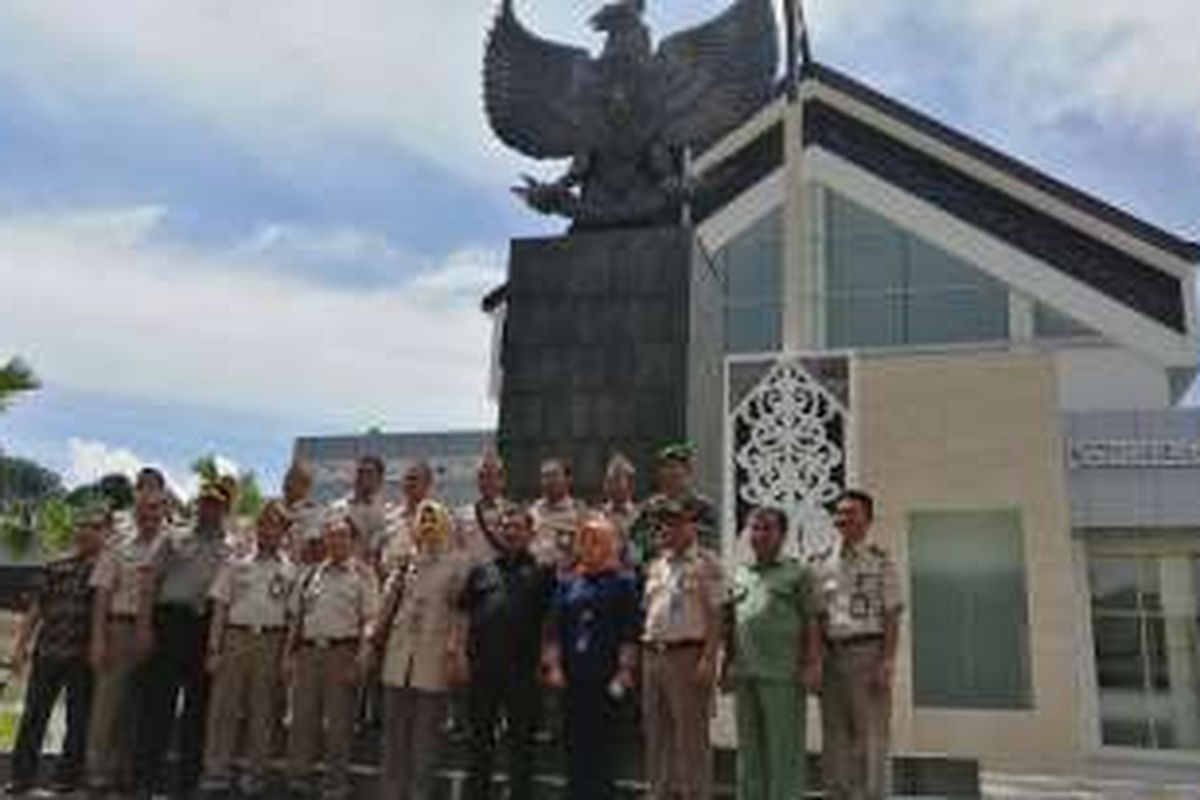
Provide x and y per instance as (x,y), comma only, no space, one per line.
(223,226)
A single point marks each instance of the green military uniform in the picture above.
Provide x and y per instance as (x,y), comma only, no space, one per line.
(771,605)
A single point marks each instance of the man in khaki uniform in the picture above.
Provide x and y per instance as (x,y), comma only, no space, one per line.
(684,598)
(302,512)
(120,576)
(619,505)
(859,595)
(479,527)
(398,544)
(367,509)
(328,650)
(556,516)
(250,597)
(674,480)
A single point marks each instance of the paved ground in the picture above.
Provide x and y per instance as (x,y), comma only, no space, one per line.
(1044,788)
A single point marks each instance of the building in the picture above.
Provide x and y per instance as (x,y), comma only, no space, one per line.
(1000,359)
(453,457)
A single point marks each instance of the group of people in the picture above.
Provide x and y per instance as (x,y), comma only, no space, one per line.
(532,614)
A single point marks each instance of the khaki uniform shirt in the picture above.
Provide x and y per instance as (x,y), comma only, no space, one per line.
(305,519)
(256,591)
(478,530)
(400,544)
(684,596)
(373,521)
(122,570)
(622,516)
(856,590)
(337,601)
(554,526)
(187,563)
(415,653)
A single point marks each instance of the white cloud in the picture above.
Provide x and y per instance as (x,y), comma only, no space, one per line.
(89,460)
(280,75)
(136,317)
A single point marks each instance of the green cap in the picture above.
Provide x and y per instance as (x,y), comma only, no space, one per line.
(676,451)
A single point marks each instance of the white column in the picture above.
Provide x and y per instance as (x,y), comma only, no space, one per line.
(795,268)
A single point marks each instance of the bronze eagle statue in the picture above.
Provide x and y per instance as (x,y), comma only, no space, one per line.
(628,117)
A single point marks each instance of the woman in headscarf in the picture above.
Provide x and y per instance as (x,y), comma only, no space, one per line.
(415,632)
(591,653)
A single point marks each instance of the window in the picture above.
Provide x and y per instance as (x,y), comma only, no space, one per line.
(1051,324)
(887,287)
(970,630)
(751,265)
(1144,629)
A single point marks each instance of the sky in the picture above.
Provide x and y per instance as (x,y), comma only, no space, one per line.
(223,225)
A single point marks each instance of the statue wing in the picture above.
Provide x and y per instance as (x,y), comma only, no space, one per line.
(719,73)
(531,88)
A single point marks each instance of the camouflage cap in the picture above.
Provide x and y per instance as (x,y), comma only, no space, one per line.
(676,451)
(677,508)
(95,512)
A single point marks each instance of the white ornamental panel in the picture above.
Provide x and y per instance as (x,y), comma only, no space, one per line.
(788,447)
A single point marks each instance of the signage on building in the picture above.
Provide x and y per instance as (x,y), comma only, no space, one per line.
(1133,453)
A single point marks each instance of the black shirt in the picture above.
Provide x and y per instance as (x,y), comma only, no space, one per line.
(506,601)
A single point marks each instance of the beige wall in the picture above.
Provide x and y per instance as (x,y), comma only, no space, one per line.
(980,431)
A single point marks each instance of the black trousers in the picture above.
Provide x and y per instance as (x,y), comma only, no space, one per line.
(487,701)
(49,678)
(174,670)
(592,737)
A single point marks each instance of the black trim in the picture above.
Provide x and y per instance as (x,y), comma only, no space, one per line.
(1088,204)
(737,172)
(1115,273)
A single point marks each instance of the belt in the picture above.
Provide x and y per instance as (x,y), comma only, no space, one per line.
(666,647)
(854,641)
(257,630)
(327,642)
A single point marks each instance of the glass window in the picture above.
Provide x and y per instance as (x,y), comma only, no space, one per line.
(1144,627)
(751,265)
(1051,324)
(970,630)
(887,287)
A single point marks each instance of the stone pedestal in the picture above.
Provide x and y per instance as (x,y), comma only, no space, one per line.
(612,341)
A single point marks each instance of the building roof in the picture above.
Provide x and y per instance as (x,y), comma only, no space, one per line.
(1082,201)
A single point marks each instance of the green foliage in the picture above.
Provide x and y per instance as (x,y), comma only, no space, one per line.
(55,526)
(15,377)
(22,481)
(16,535)
(249,496)
(205,468)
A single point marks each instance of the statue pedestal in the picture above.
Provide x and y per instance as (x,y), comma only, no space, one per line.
(613,341)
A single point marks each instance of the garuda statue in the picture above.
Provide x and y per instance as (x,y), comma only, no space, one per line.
(628,118)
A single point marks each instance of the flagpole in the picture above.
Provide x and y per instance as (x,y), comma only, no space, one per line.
(790,17)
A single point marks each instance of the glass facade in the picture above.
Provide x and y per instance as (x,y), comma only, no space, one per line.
(751,265)
(970,627)
(1144,626)
(885,286)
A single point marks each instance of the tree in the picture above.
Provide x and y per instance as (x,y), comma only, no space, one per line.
(22,480)
(16,377)
(249,496)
